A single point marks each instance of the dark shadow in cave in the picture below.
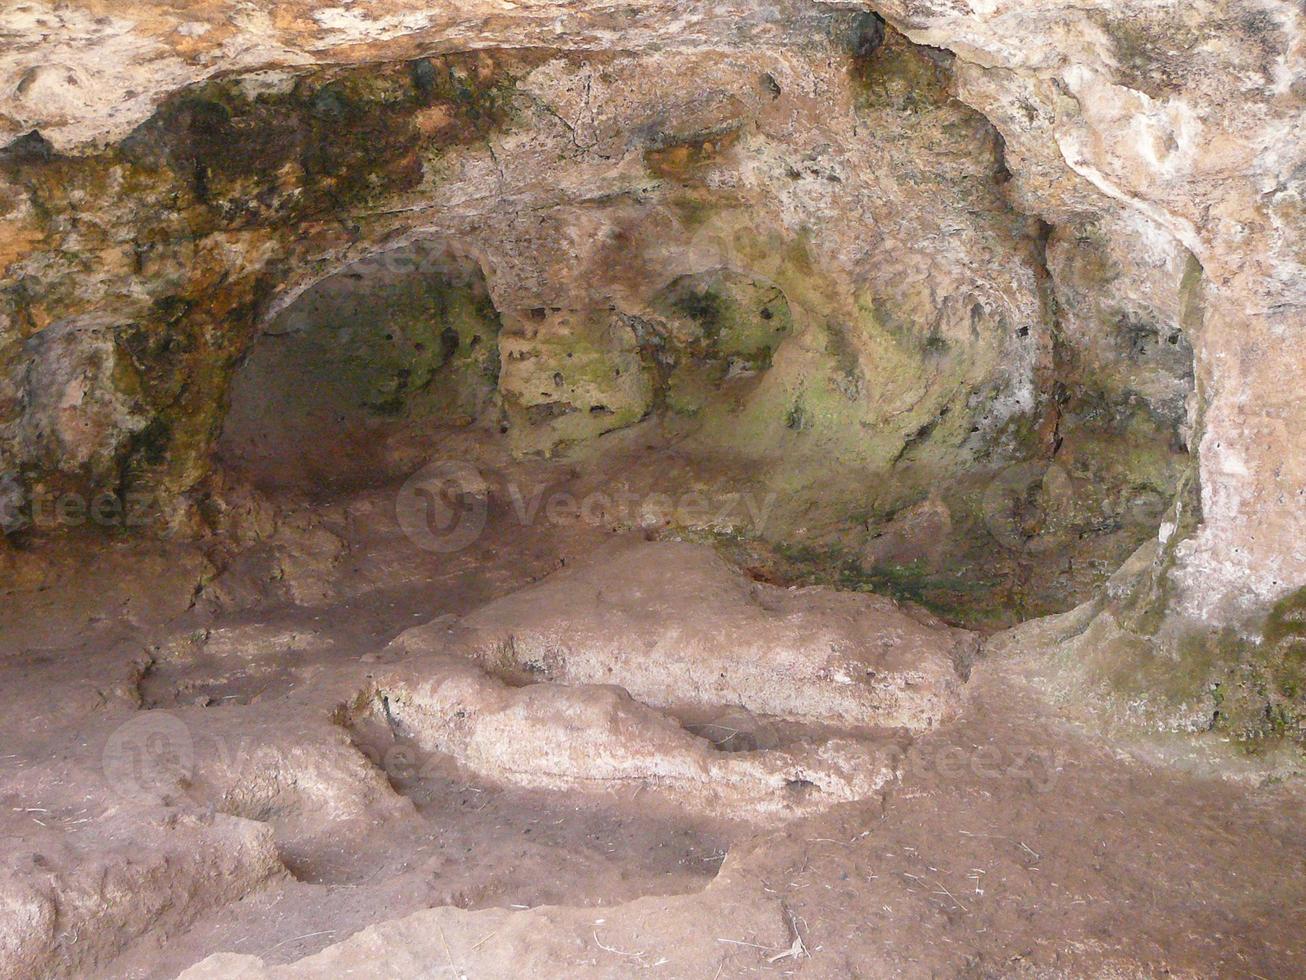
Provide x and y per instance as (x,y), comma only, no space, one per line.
(362,370)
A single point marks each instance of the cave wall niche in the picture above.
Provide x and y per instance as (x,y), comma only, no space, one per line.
(354,380)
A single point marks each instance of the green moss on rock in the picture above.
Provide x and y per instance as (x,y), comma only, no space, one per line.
(715,327)
(571,376)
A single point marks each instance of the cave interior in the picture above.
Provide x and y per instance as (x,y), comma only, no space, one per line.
(712,503)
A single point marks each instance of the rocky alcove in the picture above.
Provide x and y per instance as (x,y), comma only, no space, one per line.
(722,490)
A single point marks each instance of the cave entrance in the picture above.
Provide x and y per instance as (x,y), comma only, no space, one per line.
(356,379)
(596,532)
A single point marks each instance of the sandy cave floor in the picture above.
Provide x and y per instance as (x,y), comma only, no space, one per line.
(1008,843)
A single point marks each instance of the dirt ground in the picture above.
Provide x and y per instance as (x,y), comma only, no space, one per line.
(205,771)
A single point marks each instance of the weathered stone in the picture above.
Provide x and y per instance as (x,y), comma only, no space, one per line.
(675,626)
(597,740)
(997,245)
(570,376)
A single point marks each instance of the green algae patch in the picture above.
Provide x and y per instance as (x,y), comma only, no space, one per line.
(715,331)
(1193,678)
(362,368)
(1255,691)
(204,208)
(571,376)
(1281,678)
(955,598)
(899,75)
(419,343)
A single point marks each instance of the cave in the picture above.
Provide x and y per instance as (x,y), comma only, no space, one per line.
(565,491)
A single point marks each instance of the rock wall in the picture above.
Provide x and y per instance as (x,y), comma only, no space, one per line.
(995,246)
(852,186)
(1189,118)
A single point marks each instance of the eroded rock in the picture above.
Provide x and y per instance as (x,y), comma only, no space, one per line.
(122,876)
(673,624)
(593,739)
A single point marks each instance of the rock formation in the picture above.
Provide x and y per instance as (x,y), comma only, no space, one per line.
(1058,247)
(681,397)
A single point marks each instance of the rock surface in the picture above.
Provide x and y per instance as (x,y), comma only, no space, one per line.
(1188,118)
(585,739)
(999,229)
(675,626)
(807,269)
(190,772)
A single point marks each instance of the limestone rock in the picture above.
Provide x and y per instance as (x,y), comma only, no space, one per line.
(674,625)
(974,212)
(79,408)
(570,376)
(162,869)
(590,739)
